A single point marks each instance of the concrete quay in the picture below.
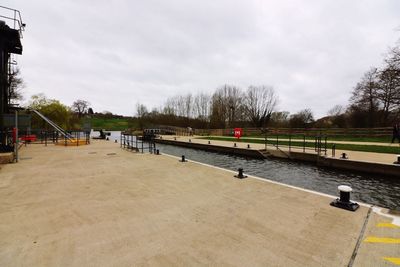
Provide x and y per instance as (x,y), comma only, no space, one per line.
(374,163)
(99,205)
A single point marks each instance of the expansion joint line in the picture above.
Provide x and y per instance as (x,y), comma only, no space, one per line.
(355,251)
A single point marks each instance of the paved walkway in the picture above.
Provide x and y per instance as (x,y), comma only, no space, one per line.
(354,155)
(99,205)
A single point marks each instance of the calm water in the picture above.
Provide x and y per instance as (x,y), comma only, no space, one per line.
(372,189)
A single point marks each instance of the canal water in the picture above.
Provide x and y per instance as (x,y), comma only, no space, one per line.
(371,189)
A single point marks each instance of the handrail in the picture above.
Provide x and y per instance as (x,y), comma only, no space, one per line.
(16,19)
(55,126)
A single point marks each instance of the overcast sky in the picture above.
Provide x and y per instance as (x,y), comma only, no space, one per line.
(116,53)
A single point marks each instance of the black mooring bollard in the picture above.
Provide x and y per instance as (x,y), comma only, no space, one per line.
(209,142)
(183,159)
(344,156)
(398,160)
(344,201)
(248,145)
(234,145)
(115,141)
(175,138)
(190,140)
(240,174)
(345,196)
(157,152)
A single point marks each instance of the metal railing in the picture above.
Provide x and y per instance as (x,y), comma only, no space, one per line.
(138,143)
(14,16)
(46,137)
(302,143)
(54,125)
(308,132)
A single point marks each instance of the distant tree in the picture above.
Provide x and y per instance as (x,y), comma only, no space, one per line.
(202,106)
(141,110)
(52,109)
(260,102)
(302,119)
(141,113)
(80,107)
(337,116)
(336,110)
(365,95)
(15,86)
(226,106)
(90,111)
(279,119)
(388,92)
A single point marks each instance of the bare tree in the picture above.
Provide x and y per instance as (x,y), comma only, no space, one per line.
(388,92)
(365,95)
(141,113)
(141,110)
(170,107)
(280,119)
(80,107)
(260,102)
(15,86)
(188,105)
(302,119)
(202,106)
(226,106)
(336,110)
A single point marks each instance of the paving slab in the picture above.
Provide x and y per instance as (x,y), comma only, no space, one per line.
(99,205)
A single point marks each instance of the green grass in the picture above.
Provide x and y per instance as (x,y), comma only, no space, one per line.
(395,149)
(110,124)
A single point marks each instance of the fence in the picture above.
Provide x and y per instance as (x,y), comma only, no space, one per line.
(318,144)
(137,143)
(45,137)
(308,132)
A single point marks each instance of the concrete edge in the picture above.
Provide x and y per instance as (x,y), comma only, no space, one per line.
(376,209)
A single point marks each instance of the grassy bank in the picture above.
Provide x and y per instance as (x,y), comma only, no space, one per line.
(111,124)
(395,149)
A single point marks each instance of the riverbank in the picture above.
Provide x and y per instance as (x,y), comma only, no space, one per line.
(101,205)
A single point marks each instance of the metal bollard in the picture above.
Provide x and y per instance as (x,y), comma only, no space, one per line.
(344,201)
(183,159)
(240,174)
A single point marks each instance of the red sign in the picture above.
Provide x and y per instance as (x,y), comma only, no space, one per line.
(238,132)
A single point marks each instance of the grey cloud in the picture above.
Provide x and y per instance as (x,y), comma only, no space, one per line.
(115,53)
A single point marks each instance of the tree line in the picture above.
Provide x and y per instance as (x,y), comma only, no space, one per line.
(375,99)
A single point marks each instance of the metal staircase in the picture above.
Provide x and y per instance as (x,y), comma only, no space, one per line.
(55,126)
